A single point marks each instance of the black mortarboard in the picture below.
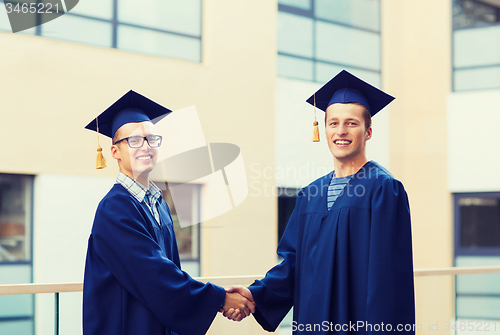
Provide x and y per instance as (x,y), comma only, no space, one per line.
(130,108)
(346,88)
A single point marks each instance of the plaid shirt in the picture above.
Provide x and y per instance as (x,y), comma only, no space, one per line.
(151,197)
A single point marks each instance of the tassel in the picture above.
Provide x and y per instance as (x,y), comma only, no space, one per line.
(315,132)
(100,161)
(315,124)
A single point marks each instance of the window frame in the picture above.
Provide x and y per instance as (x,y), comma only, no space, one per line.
(453,67)
(29,218)
(314,59)
(115,23)
(28,247)
(467,251)
(196,203)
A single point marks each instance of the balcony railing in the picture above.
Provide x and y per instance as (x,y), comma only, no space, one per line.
(57,288)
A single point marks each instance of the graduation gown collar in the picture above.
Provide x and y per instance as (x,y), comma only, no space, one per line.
(316,192)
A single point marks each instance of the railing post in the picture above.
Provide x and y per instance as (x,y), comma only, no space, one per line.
(456,303)
(56,312)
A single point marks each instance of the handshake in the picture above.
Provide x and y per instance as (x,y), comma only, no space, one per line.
(238,304)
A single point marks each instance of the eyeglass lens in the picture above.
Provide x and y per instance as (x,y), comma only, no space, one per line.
(137,141)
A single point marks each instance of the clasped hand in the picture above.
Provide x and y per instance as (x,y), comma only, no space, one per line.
(239,303)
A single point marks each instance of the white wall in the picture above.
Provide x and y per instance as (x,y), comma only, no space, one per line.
(300,161)
(64,208)
(473,141)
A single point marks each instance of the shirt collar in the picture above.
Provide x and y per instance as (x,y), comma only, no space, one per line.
(137,189)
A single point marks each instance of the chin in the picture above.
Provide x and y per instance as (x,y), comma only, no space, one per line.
(143,170)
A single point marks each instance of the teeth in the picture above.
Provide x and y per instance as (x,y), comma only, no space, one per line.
(145,157)
(342,142)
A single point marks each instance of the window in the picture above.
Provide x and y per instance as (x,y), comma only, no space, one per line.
(169,28)
(477,224)
(480,222)
(16,311)
(319,38)
(286,203)
(187,199)
(15,218)
(476,45)
(477,243)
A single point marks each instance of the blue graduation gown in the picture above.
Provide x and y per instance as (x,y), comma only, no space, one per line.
(350,265)
(133,282)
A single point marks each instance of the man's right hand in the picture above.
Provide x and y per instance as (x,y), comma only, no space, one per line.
(238,293)
(236,306)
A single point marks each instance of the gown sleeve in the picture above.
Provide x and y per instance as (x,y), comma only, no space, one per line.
(122,241)
(390,297)
(274,294)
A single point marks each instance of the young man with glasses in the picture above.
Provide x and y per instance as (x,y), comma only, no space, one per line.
(133,280)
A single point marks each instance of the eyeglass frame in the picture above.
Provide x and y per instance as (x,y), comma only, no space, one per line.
(144,138)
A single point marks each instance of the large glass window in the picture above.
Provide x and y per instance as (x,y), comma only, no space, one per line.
(477,224)
(188,238)
(318,38)
(170,28)
(476,44)
(286,203)
(15,218)
(16,311)
(477,243)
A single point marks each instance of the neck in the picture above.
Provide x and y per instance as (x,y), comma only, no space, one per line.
(143,178)
(347,167)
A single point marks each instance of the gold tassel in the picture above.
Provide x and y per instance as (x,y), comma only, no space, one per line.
(100,160)
(315,124)
(315,132)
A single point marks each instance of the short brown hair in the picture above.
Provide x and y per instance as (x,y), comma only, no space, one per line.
(366,115)
(115,137)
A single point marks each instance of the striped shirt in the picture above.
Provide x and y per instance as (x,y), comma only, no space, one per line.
(336,188)
(151,197)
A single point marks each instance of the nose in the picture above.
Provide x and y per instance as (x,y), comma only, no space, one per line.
(341,129)
(145,143)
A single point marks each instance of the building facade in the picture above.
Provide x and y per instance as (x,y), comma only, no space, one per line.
(248,67)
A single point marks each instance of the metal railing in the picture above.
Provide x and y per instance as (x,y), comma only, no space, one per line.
(57,288)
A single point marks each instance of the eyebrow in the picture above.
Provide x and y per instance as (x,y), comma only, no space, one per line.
(348,119)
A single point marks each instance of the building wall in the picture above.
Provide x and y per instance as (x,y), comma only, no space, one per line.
(473,120)
(416,63)
(51,89)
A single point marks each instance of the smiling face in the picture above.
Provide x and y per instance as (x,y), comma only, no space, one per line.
(136,163)
(346,133)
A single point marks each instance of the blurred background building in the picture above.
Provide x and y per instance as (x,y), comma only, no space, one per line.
(248,67)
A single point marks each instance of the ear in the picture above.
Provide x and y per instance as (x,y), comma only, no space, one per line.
(115,152)
(368,134)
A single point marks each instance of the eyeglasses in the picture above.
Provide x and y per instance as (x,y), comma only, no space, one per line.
(154,141)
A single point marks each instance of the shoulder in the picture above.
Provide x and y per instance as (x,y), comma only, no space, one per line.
(117,210)
(376,174)
(316,186)
(383,183)
(117,197)
(373,170)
